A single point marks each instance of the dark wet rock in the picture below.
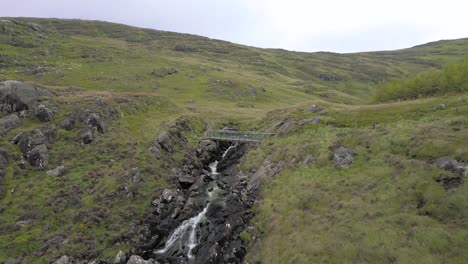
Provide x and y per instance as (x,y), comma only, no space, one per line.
(58,171)
(9,123)
(313,109)
(309,159)
(314,120)
(35,145)
(120,258)
(452,165)
(342,156)
(62,260)
(186,181)
(17,96)
(43,113)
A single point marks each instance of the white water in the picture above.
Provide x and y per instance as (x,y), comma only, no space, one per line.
(192,223)
(189,224)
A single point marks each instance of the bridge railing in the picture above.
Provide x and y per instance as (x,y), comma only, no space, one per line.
(230,135)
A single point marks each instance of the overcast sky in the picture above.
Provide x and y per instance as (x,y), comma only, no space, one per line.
(302,25)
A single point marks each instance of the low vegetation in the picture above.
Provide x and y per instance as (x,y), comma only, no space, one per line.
(391,205)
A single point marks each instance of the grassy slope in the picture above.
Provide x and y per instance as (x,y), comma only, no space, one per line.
(115,62)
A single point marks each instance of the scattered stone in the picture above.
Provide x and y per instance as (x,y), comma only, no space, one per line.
(58,171)
(162,72)
(309,159)
(22,164)
(62,260)
(9,123)
(343,157)
(313,109)
(120,258)
(314,120)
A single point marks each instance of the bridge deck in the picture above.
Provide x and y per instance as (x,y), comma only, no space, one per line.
(236,136)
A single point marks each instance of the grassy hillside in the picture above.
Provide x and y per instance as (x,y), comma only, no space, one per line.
(390,205)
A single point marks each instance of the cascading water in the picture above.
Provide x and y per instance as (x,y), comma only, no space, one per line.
(190,225)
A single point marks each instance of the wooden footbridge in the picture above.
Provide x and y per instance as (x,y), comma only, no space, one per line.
(236,136)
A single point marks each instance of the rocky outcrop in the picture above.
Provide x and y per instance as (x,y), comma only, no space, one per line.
(139,260)
(342,156)
(313,108)
(162,72)
(17,96)
(62,260)
(313,120)
(35,145)
(91,122)
(452,165)
(9,123)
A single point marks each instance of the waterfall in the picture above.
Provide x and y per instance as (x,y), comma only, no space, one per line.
(189,226)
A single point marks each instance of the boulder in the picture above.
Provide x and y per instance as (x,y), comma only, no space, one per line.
(9,123)
(42,113)
(120,258)
(35,145)
(165,142)
(342,156)
(17,96)
(58,171)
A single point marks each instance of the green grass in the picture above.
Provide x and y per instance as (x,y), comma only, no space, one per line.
(366,213)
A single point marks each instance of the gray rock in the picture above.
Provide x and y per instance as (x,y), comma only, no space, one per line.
(155,151)
(4,157)
(58,171)
(135,176)
(42,113)
(165,142)
(62,260)
(452,165)
(343,157)
(309,159)
(139,260)
(35,145)
(168,195)
(314,120)
(9,123)
(86,136)
(67,123)
(120,258)
(17,96)
(313,109)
